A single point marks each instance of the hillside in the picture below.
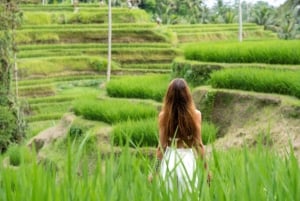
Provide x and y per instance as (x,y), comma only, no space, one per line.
(62,59)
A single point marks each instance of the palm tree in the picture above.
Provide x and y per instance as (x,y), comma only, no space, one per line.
(262,14)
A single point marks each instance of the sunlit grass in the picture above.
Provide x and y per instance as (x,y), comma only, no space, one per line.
(112,110)
(244,174)
(144,87)
(279,52)
(260,80)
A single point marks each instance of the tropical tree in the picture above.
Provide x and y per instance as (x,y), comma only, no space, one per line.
(11,125)
(262,14)
(223,13)
(288,21)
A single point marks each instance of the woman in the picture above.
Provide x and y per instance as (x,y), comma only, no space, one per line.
(180,140)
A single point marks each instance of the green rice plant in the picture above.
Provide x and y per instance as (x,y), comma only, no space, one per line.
(14,154)
(147,66)
(249,35)
(44,117)
(260,80)
(97,51)
(80,35)
(112,110)
(136,133)
(271,52)
(47,108)
(184,26)
(145,87)
(54,65)
(59,80)
(18,154)
(209,132)
(195,73)
(36,91)
(85,16)
(92,45)
(243,174)
(145,133)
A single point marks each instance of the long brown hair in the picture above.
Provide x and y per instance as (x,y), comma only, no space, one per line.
(179,113)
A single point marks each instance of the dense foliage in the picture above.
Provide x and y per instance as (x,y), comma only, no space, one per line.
(11,123)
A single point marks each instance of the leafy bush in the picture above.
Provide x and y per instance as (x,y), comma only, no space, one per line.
(193,72)
(112,111)
(8,127)
(136,133)
(260,80)
(145,87)
(272,52)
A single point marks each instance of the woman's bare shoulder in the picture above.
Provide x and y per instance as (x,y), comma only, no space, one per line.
(198,114)
(160,115)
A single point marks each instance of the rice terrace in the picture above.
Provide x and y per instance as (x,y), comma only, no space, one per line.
(77,124)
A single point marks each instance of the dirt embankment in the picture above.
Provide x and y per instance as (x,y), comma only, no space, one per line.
(250,118)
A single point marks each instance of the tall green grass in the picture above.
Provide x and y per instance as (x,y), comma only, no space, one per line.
(248,174)
(136,133)
(272,52)
(112,110)
(60,65)
(49,16)
(145,87)
(260,80)
(145,133)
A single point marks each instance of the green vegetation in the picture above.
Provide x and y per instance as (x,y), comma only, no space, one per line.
(87,35)
(257,174)
(112,110)
(145,133)
(209,132)
(260,80)
(55,65)
(136,133)
(144,87)
(195,73)
(8,127)
(93,15)
(279,52)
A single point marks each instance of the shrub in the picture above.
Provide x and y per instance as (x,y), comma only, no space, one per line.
(272,52)
(112,111)
(8,127)
(144,87)
(260,80)
(193,72)
(136,133)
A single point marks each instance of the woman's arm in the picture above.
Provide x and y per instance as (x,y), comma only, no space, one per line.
(162,142)
(199,143)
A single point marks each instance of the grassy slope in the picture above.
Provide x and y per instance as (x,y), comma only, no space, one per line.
(149,56)
(248,117)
